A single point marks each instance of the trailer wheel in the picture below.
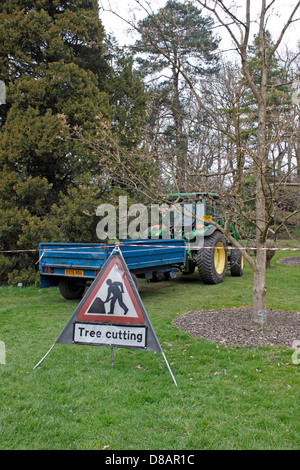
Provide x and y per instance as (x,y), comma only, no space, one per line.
(135,280)
(158,277)
(237,262)
(69,289)
(212,263)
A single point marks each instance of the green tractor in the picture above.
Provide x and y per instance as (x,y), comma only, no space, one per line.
(191,221)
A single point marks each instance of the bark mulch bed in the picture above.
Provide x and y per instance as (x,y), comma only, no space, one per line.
(234,326)
(290,261)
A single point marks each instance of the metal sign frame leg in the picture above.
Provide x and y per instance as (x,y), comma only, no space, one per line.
(112,356)
(45,356)
(166,361)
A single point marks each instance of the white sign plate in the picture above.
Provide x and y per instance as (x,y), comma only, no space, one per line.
(110,335)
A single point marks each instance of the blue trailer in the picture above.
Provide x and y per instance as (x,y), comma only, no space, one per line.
(73,266)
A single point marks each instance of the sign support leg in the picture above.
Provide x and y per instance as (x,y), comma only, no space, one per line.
(45,356)
(174,380)
(112,356)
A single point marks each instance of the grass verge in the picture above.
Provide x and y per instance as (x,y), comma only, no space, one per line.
(227,397)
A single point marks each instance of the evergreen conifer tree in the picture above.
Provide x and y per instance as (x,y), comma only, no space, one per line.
(176,41)
(52,61)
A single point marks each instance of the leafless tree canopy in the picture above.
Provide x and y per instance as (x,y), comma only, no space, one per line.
(239,128)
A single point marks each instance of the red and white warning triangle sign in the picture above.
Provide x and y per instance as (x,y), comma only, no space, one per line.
(113,297)
(111,313)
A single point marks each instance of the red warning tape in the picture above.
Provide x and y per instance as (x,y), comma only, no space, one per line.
(152,246)
(17,251)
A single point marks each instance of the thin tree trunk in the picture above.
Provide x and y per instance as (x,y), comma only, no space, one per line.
(259,281)
(181,151)
(259,284)
(259,272)
(297,146)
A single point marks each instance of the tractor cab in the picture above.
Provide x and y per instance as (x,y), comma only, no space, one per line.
(188,215)
(197,208)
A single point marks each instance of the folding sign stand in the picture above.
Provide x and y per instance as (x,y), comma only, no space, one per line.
(111,314)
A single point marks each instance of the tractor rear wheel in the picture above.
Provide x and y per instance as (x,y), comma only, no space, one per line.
(212,263)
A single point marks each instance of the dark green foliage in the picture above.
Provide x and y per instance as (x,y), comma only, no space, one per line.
(128,99)
(52,61)
(278,92)
(36,33)
(177,35)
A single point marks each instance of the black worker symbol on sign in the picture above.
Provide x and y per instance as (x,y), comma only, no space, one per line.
(115,293)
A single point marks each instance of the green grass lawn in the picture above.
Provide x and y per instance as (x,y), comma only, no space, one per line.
(227,397)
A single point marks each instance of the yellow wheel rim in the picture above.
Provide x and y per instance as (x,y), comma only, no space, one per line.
(219,258)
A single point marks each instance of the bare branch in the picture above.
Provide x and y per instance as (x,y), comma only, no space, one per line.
(288,23)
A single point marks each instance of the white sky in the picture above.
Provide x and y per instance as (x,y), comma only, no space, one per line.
(129,9)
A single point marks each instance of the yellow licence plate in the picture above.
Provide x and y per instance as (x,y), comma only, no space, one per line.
(207,218)
(74,272)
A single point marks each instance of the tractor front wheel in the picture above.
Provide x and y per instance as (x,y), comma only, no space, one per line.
(212,263)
